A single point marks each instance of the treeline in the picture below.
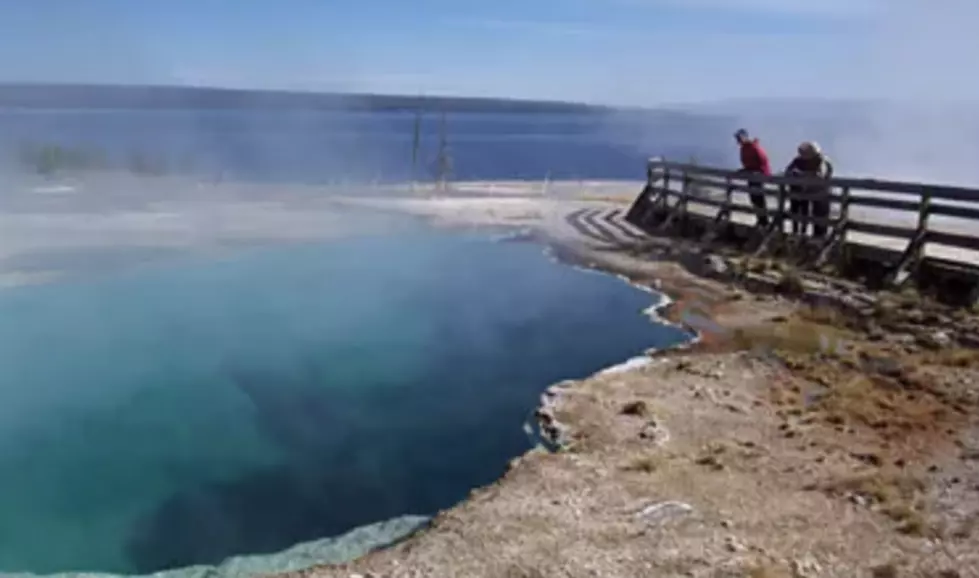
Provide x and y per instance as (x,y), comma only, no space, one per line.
(42,96)
(50,159)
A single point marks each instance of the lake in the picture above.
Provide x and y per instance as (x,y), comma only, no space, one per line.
(329,146)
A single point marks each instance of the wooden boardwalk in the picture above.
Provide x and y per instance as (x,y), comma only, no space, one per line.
(870,215)
(901,224)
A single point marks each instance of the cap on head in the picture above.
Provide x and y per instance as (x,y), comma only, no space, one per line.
(809,149)
(741,134)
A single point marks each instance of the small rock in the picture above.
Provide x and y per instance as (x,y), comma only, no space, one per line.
(662,511)
(807,567)
(934,340)
(884,571)
(835,419)
(635,408)
(726,524)
(871,459)
(859,500)
(544,416)
(901,338)
(711,462)
(969,454)
(732,545)
(886,366)
(969,340)
(915,316)
(715,266)
(654,432)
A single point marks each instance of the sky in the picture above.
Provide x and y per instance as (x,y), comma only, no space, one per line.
(619,52)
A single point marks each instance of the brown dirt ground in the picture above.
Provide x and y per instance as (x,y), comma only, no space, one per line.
(762,452)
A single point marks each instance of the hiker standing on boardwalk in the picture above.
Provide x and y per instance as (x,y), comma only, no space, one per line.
(810,162)
(754,160)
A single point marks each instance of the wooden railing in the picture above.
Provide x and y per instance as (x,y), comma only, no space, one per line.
(673,186)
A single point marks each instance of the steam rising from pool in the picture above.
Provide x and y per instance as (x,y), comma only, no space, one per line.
(177,415)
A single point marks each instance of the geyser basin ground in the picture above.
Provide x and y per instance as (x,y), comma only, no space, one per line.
(183,413)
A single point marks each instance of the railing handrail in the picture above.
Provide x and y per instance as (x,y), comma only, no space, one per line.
(939,192)
(845,193)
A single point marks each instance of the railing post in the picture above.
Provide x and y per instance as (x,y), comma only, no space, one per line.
(780,210)
(665,196)
(776,226)
(643,209)
(678,210)
(910,261)
(685,186)
(921,234)
(842,257)
(923,210)
(652,176)
(836,241)
(723,216)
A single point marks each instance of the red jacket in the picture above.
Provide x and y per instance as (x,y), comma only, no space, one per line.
(754,159)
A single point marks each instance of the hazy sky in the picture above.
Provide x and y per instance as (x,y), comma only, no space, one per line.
(641,52)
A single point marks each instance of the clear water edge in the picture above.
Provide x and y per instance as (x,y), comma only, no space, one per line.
(333,550)
(361,540)
(653,312)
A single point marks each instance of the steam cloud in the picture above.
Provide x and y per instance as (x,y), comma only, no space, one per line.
(915,113)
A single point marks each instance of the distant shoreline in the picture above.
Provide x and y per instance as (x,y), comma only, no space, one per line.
(44,96)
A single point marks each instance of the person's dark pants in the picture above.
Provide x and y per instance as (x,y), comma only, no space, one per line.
(799,209)
(758,201)
(820,210)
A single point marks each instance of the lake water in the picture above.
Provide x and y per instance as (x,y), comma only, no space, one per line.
(178,414)
(310,146)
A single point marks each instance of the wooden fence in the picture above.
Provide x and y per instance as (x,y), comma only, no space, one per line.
(718,198)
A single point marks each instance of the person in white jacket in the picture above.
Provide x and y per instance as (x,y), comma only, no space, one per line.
(811,161)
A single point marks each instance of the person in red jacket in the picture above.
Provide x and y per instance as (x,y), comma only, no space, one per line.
(754,160)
